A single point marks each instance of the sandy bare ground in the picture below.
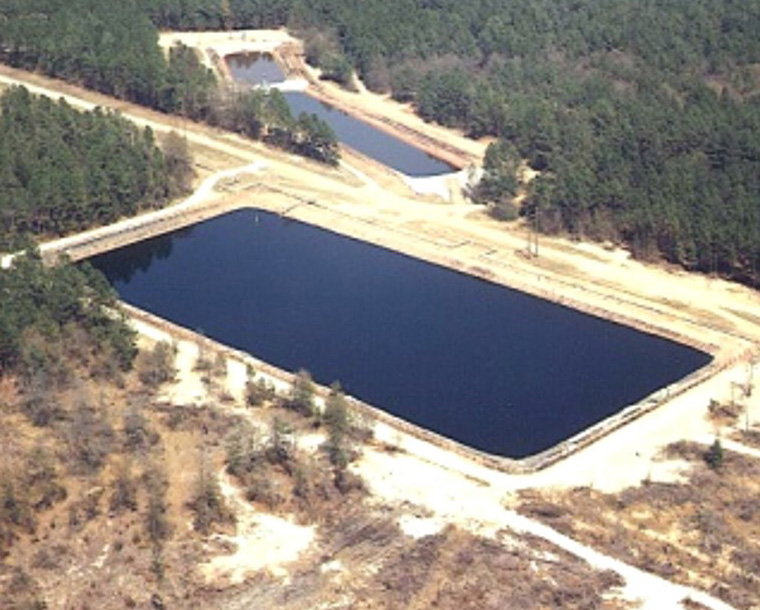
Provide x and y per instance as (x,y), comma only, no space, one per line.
(261,542)
(697,309)
(482,511)
(436,488)
(700,310)
(225,43)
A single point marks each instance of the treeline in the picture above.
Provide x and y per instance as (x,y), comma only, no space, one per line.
(113,48)
(641,116)
(65,345)
(672,177)
(265,115)
(54,319)
(216,14)
(62,170)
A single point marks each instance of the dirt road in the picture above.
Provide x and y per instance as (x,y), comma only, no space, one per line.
(369,204)
(381,111)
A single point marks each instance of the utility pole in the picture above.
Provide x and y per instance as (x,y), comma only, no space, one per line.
(529,238)
(532,245)
(750,374)
(748,392)
(533,234)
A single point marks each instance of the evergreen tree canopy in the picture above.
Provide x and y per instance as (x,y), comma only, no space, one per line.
(62,170)
(52,318)
(641,116)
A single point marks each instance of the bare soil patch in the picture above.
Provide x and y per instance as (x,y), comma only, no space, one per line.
(112,520)
(368,563)
(748,436)
(704,532)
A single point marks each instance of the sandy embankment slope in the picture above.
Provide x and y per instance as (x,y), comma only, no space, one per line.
(436,488)
(703,309)
(379,110)
(608,282)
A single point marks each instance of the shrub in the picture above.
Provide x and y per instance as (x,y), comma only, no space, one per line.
(15,509)
(42,410)
(346,481)
(258,392)
(260,489)
(208,503)
(156,522)
(41,480)
(301,397)
(219,368)
(243,453)
(302,481)
(714,455)
(281,442)
(85,509)
(156,366)
(124,494)
(335,414)
(336,418)
(504,210)
(336,67)
(91,439)
(136,432)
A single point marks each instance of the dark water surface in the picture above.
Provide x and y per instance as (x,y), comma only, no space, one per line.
(255,68)
(488,366)
(368,140)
